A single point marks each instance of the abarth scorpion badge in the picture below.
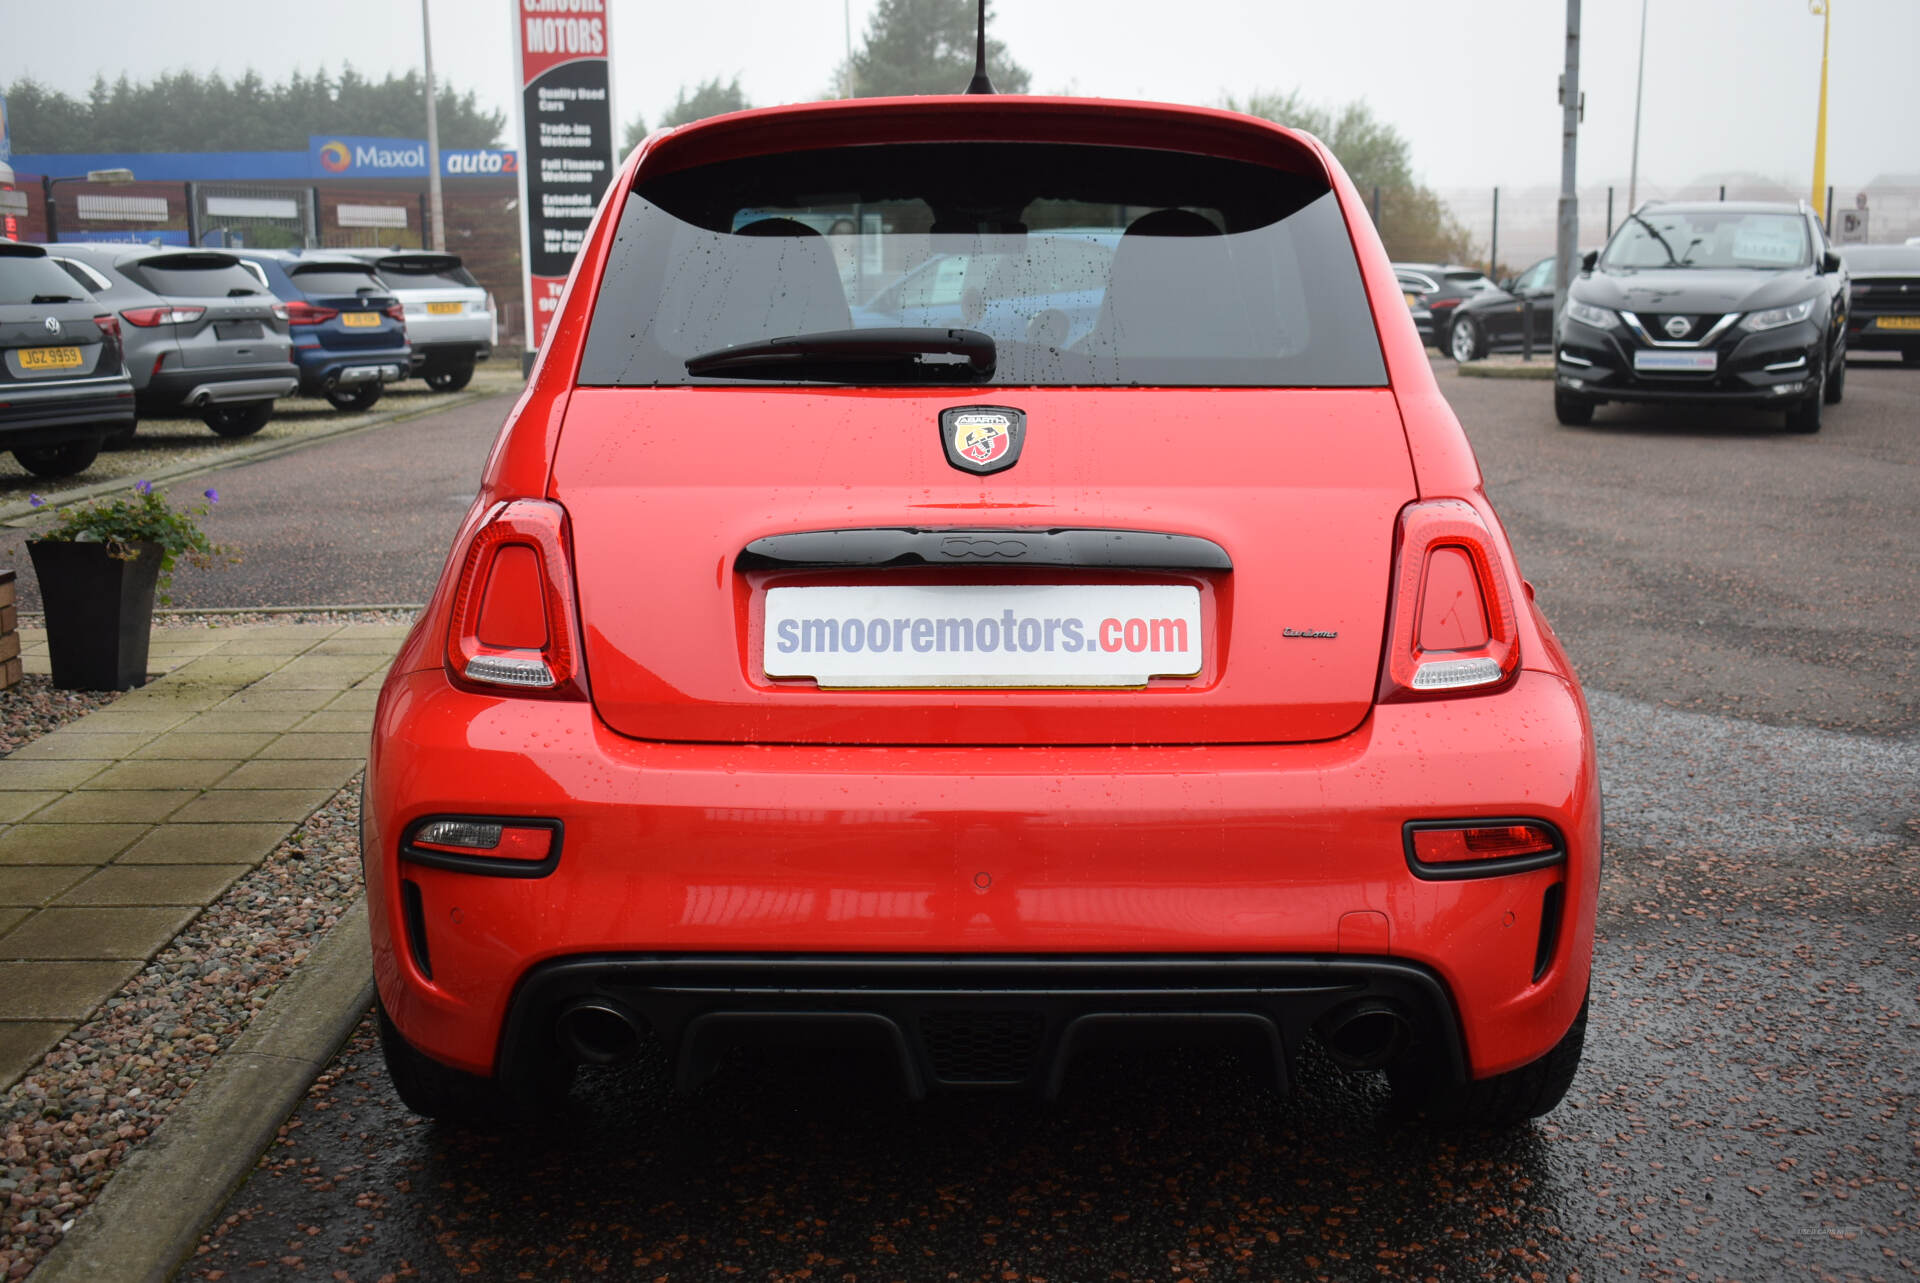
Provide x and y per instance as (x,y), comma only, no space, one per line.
(983,438)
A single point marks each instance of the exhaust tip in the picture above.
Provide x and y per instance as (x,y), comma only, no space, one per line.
(597,1031)
(1366,1034)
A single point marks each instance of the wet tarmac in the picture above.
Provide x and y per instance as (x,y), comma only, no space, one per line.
(1749,1105)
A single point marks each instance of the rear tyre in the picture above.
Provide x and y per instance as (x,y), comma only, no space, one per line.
(241,420)
(430,1088)
(450,378)
(1574,411)
(1466,340)
(1837,381)
(1499,1103)
(1805,417)
(61,460)
(358,396)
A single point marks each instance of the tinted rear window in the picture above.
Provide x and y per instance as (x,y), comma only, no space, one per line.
(1088,266)
(334,279)
(194,275)
(426,274)
(25,277)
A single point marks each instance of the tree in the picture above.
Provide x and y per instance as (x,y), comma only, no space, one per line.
(708,98)
(182,111)
(925,47)
(1414,222)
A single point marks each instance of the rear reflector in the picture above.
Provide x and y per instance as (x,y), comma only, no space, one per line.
(478,837)
(1499,842)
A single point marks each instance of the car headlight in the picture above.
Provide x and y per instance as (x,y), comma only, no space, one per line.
(1587,314)
(1775,317)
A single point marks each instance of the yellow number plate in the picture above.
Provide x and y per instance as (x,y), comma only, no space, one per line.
(360,320)
(49,358)
(444,309)
(1879,323)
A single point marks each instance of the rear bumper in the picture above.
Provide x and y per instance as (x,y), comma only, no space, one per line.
(1289,855)
(193,389)
(322,368)
(966,1021)
(450,353)
(31,416)
(1864,336)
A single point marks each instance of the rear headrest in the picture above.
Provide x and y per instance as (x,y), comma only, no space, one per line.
(1172,222)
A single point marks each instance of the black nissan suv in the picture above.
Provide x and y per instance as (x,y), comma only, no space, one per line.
(1713,302)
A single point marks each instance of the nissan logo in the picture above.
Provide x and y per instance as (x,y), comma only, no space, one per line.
(53,326)
(1678,326)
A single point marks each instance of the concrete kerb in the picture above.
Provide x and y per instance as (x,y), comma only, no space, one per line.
(1502,366)
(21,513)
(154,1210)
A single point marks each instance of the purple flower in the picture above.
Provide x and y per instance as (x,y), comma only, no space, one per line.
(144,487)
(35,501)
(213,496)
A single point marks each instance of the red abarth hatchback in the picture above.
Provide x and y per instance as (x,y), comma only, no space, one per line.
(975,579)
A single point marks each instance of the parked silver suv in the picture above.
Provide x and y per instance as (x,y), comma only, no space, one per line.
(449,316)
(202,334)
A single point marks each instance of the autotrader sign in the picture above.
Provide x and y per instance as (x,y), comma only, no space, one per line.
(566,136)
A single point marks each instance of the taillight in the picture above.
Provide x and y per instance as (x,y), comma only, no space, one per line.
(1442,304)
(145,317)
(109,325)
(1453,626)
(300,312)
(397,312)
(1445,849)
(512,626)
(280,312)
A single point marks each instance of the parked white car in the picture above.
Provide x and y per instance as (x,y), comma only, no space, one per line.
(450,321)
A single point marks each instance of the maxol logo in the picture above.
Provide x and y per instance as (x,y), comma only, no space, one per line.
(334,157)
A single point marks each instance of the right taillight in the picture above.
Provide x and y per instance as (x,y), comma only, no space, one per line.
(147,317)
(300,312)
(1452,626)
(513,613)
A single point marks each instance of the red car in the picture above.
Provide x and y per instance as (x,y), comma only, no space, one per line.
(970,694)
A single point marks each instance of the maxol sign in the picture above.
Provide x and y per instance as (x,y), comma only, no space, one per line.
(350,156)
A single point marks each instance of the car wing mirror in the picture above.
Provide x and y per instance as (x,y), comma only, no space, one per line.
(1830,262)
(1589,260)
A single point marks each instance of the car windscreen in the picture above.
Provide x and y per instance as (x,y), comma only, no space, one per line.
(1708,239)
(426,273)
(1086,265)
(26,277)
(335,278)
(194,276)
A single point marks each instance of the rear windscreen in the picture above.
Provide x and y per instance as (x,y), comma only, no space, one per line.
(1087,266)
(27,277)
(335,280)
(199,276)
(445,274)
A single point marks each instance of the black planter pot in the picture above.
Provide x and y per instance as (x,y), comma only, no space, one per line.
(99,612)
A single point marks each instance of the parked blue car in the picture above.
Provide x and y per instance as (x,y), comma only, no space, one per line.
(349,333)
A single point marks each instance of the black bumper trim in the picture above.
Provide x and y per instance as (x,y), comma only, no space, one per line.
(969,1021)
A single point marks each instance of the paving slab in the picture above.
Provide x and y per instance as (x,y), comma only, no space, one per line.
(16,804)
(266,644)
(347,721)
(198,773)
(176,745)
(11,916)
(151,884)
(23,1042)
(68,744)
(327,773)
(301,744)
(243,721)
(35,885)
(66,991)
(67,843)
(113,806)
(229,670)
(366,699)
(150,720)
(84,934)
(303,701)
(206,844)
(27,775)
(245,805)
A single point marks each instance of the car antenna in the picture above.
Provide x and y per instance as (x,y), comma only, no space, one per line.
(980,84)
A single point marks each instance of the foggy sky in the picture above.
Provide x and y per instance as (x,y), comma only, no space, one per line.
(1731,85)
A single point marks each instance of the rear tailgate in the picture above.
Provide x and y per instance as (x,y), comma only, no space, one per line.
(667,487)
(228,315)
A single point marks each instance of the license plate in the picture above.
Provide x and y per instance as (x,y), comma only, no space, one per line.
(1677,362)
(1896,322)
(238,330)
(444,309)
(49,358)
(908,636)
(360,320)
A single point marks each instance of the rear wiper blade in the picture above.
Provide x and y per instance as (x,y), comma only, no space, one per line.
(55,298)
(847,355)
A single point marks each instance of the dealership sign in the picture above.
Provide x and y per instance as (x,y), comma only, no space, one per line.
(566,135)
(351,156)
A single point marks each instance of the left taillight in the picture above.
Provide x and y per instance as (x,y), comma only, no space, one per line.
(1453,625)
(109,329)
(513,628)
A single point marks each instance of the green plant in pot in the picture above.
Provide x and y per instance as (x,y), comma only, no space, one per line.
(101,567)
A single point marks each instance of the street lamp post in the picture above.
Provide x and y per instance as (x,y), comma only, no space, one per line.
(47,181)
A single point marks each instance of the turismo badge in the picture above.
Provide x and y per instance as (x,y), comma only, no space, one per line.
(983,438)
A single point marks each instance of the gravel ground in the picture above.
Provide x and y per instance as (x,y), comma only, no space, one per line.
(173,442)
(67,1125)
(34,707)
